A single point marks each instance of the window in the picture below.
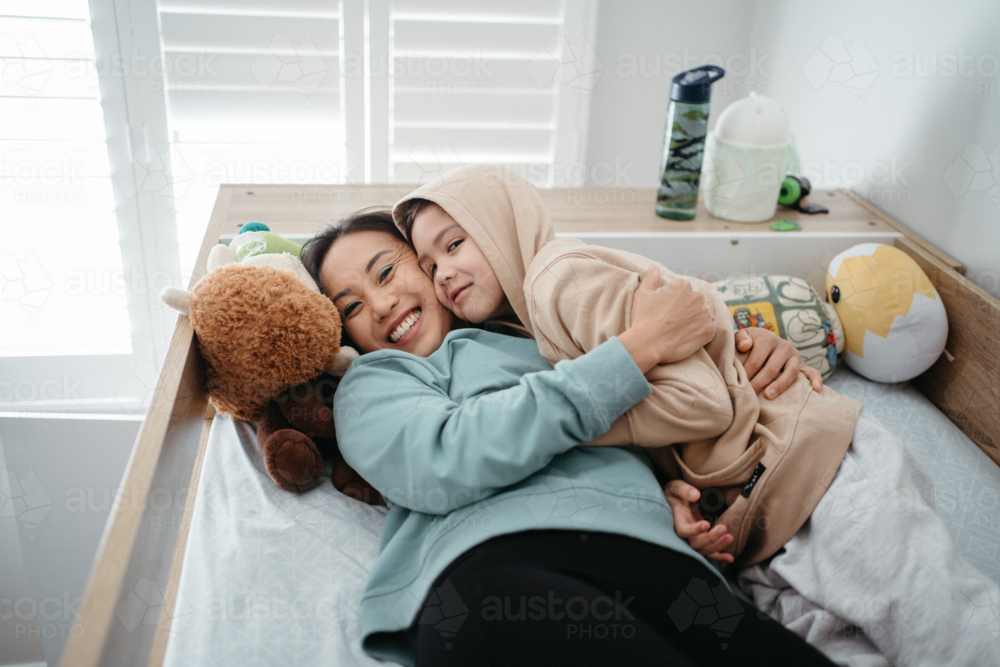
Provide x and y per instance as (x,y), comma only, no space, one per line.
(253,94)
(312,91)
(119,126)
(489,82)
(62,289)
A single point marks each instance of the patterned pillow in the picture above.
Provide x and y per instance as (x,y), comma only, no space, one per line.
(791,308)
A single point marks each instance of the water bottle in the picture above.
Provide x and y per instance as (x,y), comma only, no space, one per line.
(684,141)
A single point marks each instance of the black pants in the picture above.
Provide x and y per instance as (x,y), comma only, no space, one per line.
(556,597)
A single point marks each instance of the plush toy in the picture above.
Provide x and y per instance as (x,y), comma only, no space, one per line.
(789,307)
(271,343)
(893,318)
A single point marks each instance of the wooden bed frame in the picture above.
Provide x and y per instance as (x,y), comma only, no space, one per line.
(143,544)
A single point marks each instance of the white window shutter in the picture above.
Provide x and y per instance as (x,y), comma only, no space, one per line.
(61,284)
(254,95)
(504,82)
(79,334)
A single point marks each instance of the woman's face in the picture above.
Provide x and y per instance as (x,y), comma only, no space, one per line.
(384,299)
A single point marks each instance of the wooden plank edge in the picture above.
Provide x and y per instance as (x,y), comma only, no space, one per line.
(163,625)
(965,384)
(926,245)
(118,539)
(115,548)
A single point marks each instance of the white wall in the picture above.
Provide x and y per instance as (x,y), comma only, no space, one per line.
(641,46)
(919,108)
(20,639)
(897,130)
(64,474)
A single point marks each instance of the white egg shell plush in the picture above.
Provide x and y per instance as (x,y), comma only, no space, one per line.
(895,325)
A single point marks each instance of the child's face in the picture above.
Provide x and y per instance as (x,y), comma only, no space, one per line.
(463,279)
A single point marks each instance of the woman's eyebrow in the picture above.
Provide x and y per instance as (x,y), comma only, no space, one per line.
(368,269)
(371,262)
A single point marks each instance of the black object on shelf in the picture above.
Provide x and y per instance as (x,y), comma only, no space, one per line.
(794,190)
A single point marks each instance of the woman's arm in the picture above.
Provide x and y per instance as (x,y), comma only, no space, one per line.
(424,451)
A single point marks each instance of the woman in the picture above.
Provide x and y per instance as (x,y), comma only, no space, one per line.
(504,540)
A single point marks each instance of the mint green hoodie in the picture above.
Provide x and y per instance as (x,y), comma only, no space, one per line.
(479,440)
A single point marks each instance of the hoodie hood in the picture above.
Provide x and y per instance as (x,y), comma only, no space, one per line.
(503,214)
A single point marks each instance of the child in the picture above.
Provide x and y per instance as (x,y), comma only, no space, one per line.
(484,237)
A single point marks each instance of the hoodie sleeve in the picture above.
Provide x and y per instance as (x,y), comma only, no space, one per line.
(577,301)
(421,449)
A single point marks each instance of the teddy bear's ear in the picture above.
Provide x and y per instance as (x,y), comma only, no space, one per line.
(220,255)
(176,298)
(344,360)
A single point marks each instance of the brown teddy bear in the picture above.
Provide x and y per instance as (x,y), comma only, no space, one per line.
(271,343)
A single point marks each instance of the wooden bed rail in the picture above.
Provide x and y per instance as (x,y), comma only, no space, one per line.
(128,606)
(966,385)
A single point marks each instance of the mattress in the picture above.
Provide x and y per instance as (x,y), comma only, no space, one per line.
(966,481)
(270,577)
(275,578)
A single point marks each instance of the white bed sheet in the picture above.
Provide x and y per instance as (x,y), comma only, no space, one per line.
(270,577)
(274,578)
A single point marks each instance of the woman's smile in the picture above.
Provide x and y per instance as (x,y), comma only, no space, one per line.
(406,330)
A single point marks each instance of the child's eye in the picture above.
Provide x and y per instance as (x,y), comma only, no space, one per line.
(454,244)
(351,307)
(384,273)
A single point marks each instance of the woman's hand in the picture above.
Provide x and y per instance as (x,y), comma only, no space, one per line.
(691,527)
(773,362)
(669,322)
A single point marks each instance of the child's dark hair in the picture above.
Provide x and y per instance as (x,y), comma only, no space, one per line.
(374,219)
(413,207)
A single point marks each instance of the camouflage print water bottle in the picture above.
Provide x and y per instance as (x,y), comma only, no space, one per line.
(684,141)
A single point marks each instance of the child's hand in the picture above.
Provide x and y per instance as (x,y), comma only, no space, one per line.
(773,362)
(691,527)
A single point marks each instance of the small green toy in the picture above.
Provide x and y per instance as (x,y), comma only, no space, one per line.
(254,227)
(786,226)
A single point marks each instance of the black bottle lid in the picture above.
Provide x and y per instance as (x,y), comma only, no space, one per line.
(695,85)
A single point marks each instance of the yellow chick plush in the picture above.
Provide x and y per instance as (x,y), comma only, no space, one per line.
(894,323)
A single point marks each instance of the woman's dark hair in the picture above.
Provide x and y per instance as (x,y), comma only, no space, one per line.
(374,219)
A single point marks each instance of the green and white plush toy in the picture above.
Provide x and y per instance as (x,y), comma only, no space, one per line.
(791,308)
(263,242)
(261,247)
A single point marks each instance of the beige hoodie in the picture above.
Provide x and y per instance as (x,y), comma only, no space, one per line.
(572,296)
